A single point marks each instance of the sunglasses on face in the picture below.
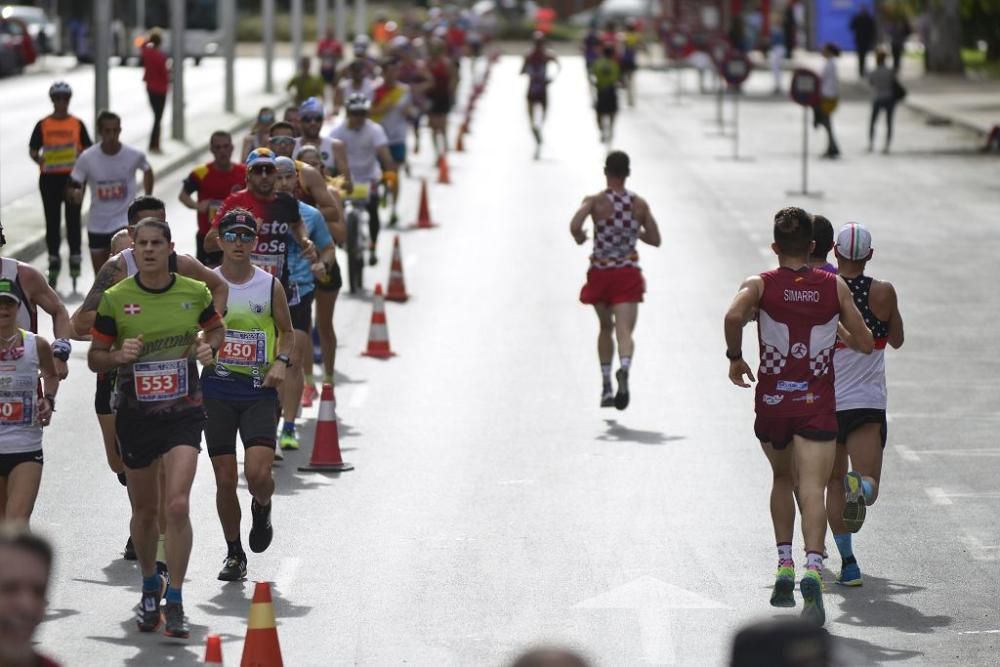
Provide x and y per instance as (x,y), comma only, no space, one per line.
(242,237)
(311,119)
(282,140)
(263,169)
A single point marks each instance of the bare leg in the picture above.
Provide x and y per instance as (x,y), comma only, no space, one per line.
(782,503)
(605,342)
(181,463)
(865,449)
(291,389)
(144,491)
(257,468)
(814,463)
(227,503)
(21,492)
(626,315)
(326,301)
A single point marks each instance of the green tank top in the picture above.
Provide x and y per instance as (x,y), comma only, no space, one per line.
(251,335)
(606,72)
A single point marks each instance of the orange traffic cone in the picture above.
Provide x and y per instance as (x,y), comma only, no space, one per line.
(261,647)
(397,286)
(443,177)
(213,650)
(326,441)
(424,216)
(378,334)
(460,142)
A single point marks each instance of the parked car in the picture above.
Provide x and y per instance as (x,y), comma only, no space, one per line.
(44,32)
(16,48)
(617,11)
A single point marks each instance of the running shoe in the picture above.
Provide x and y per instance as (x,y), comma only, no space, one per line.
(393,219)
(147,612)
(784,588)
(261,531)
(234,568)
(129,553)
(621,398)
(811,588)
(372,258)
(850,575)
(607,398)
(289,440)
(278,456)
(177,623)
(308,396)
(854,508)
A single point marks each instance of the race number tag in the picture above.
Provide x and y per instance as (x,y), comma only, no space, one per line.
(243,348)
(110,190)
(160,380)
(273,264)
(17,408)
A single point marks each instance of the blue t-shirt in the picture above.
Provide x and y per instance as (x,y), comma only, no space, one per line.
(298,266)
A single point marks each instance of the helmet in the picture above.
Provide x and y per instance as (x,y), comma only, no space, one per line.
(60,88)
(313,106)
(358,102)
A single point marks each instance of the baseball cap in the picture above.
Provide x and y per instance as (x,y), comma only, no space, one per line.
(260,156)
(9,291)
(237,219)
(313,106)
(284,165)
(854,242)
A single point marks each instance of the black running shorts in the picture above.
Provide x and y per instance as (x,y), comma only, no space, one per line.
(10,461)
(143,438)
(302,313)
(333,281)
(255,421)
(849,421)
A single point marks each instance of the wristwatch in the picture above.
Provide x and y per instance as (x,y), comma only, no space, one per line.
(734,357)
(283,358)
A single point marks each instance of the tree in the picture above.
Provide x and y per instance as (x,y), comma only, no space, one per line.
(944,37)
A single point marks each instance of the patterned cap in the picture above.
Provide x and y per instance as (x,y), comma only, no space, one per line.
(9,291)
(284,165)
(260,156)
(854,242)
(237,219)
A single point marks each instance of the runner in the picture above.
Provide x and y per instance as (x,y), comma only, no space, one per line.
(861,398)
(55,144)
(33,291)
(367,144)
(330,53)
(305,84)
(259,133)
(413,72)
(355,81)
(606,77)
(24,357)
(441,95)
(614,282)
(109,168)
(391,110)
(591,47)
(241,389)
(536,67)
(312,187)
(797,310)
(302,276)
(146,329)
(332,152)
(213,181)
(630,41)
(823,238)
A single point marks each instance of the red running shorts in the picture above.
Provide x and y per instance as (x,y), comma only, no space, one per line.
(779,431)
(613,286)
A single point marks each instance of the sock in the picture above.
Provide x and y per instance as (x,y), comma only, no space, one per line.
(844,545)
(235,548)
(328,378)
(151,583)
(606,374)
(174,595)
(868,489)
(785,554)
(626,363)
(161,549)
(289,426)
(814,561)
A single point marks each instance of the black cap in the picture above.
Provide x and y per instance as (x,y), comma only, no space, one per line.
(237,219)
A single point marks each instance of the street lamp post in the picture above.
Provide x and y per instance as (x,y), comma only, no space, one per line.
(102,53)
(229,51)
(267,13)
(177,21)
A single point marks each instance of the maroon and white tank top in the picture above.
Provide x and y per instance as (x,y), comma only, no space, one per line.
(615,237)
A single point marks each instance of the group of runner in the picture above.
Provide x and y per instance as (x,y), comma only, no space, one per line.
(611,57)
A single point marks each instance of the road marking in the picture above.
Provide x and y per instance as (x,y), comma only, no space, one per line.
(516,482)
(980,632)
(980,551)
(937,495)
(907,454)
(287,572)
(359,396)
(957,452)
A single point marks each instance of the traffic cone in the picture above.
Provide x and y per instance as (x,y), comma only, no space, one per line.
(213,650)
(378,334)
(261,647)
(460,142)
(443,177)
(397,286)
(326,441)
(424,215)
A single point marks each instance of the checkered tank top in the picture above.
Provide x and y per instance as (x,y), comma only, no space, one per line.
(615,237)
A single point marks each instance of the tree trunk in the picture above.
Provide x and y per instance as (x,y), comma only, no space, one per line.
(944,43)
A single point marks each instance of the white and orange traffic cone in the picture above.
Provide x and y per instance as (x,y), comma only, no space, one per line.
(378,334)
(326,455)
(397,285)
(261,648)
(424,215)
(213,650)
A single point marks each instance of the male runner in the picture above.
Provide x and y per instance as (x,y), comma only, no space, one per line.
(356,80)
(606,77)
(440,95)
(147,329)
(55,144)
(391,110)
(823,238)
(861,398)
(798,309)
(109,168)
(332,152)
(330,52)
(312,187)
(33,291)
(241,389)
(536,65)
(614,282)
(213,182)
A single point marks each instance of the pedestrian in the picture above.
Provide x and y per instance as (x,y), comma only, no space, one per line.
(441,95)
(776,56)
(797,309)
(391,109)
(862,429)
(829,92)
(212,182)
(884,84)
(305,84)
(241,389)
(332,153)
(259,132)
(157,78)
(606,77)
(25,568)
(615,284)
(899,31)
(862,26)
(55,144)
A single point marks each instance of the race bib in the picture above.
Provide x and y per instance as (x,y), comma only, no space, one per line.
(160,380)
(243,348)
(17,408)
(110,190)
(273,264)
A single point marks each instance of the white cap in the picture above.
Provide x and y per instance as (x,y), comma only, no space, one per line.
(854,242)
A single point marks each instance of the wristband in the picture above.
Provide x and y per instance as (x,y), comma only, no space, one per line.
(734,357)
(283,358)
(51,398)
(61,347)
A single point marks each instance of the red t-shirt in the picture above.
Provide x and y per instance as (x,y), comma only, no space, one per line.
(274,218)
(214,184)
(330,52)
(797,332)
(157,76)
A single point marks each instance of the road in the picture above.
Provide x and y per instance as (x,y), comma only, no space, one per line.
(493,503)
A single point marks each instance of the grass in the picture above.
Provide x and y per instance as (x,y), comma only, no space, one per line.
(975,62)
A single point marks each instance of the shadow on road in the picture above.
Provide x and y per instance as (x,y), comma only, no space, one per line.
(618,433)
(871,606)
(850,651)
(119,573)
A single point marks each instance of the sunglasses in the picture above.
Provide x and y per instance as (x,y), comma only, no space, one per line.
(263,169)
(282,140)
(242,237)
(311,119)
(266,119)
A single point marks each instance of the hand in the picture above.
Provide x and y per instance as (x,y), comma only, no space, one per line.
(319,270)
(580,237)
(309,251)
(203,206)
(276,376)
(44,412)
(130,350)
(115,461)
(74,196)
(348,184)
(205,354)
(737,369)
(62,370)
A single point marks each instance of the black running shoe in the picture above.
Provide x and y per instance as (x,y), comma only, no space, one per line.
(147,612)
(607,397)
(177,623)
(129,553)
(621,398)
(372,258)
(234,568)
(261,531)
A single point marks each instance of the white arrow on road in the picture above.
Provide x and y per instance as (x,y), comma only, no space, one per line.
(652,600)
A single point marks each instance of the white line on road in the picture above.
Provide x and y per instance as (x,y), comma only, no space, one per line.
(287,572)
(907,454)
(980,551)
(955,452)
(359,396)
(980,632)
(937,495)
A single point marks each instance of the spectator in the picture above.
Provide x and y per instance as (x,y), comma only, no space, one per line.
(305,84)
(550,657)
(782,643)
(863,26)
(25,566)
(789,27)
(829,91)
(157,78)
(884,97)
(776,56)
(259,133)
(899,30)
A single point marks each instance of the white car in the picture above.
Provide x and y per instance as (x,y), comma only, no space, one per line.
(44,33)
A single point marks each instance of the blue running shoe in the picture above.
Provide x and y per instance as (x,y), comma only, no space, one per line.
(850,575)
(784,588)
(854,507)
(811,588)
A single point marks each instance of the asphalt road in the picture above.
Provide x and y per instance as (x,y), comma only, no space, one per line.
(493,503)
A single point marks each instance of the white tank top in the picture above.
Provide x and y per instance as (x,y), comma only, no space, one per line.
(325,147)
(20,431)
(27,313)
(130,266)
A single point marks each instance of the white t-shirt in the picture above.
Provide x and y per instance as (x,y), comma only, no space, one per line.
(394,121)
(367,89)
(111,179)
(362,146)
(828,83)
(325,147)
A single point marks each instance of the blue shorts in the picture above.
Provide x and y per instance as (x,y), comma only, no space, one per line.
(398,152)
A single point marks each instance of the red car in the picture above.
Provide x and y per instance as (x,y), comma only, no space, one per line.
(17,49)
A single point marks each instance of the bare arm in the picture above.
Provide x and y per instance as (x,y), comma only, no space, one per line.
(286,335)
(35,285)
(649,231)
(576,224)
(386,158)
(314,182)
(895,320)
(185,198)
(50,379)
(338,229)
(212,240)
(190,267)
(860,336)
(84,317)
(147,181)
(741,311)
(340,159)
